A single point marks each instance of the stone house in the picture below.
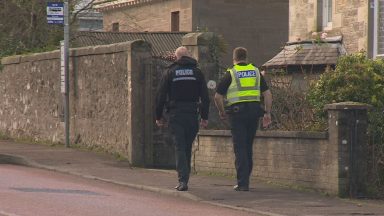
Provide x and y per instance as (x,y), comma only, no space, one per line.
(259,25)
(349,25)
(90,21)
(357,21)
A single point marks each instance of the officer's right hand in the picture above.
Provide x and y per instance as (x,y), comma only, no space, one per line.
(203,123)
(160,122)
(267,120)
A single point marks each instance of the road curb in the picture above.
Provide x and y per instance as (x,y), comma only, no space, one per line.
(20,160)
(15,159)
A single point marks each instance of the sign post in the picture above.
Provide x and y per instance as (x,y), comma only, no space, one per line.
(58,13)
(66,47)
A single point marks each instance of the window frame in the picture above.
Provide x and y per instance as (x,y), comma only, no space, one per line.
(175,21)
(116,27)
(327,14)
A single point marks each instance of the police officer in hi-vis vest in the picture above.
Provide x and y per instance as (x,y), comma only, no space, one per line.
(243,85)
(183,84)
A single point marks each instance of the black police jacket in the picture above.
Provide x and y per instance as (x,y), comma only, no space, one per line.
(183,82)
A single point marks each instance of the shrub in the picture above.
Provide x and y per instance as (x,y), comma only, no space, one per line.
(357,79)
(290,109)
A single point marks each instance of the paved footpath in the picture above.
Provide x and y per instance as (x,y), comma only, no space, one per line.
(262,199)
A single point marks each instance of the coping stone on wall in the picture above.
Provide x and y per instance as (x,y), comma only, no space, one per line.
(41,56)
(11,60)
(201,38)
(271,134)
(30,57)
(347,105)
(104,49)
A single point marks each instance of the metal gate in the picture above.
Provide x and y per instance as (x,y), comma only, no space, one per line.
(159,149)
(376,151)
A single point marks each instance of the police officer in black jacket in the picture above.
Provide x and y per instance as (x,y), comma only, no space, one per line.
(184,86)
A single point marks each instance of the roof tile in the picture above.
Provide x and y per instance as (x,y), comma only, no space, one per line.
(162,42)
(308,53)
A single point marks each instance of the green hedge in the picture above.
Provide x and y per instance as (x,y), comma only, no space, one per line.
(355,78)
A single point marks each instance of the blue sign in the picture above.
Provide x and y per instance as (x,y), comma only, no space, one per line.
(55,12)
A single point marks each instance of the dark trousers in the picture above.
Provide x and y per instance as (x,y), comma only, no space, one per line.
(183,124)
(244,119)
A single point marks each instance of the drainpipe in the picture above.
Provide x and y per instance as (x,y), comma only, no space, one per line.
(375,25)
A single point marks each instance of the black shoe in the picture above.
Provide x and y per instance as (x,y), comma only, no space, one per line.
(240,188)
(182,187)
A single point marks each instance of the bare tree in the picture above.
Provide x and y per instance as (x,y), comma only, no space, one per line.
(24,28)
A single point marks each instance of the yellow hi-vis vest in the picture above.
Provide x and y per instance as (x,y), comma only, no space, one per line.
(245,85)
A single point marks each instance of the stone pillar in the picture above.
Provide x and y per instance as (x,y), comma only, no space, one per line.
(140,144)
(202,45)
(348,123)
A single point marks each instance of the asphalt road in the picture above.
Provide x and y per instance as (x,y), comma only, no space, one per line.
(33,192)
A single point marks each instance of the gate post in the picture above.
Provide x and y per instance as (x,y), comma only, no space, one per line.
(348,122)
(139,52)
(203,46)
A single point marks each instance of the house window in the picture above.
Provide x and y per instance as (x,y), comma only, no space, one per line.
(175,21)
(327,14)
(115,27)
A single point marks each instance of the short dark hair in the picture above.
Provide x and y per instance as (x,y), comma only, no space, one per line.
(240,54)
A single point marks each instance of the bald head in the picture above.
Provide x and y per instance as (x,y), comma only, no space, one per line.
(182,51)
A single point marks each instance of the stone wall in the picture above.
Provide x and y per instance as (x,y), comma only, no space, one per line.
(294,158)
(100,94)
(112,94)
(350,19)
(106,94)
(30,97)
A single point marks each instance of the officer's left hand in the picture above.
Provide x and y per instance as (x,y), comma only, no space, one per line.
(203,123)
(223,115)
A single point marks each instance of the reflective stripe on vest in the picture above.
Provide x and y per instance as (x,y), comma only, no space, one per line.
(245,85)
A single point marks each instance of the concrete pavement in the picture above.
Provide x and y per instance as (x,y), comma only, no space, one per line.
(262,199)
